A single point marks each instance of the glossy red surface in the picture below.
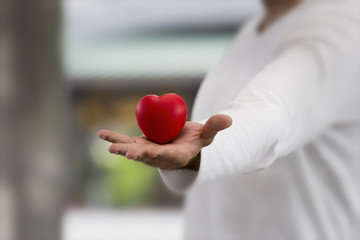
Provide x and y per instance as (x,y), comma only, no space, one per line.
(161,118)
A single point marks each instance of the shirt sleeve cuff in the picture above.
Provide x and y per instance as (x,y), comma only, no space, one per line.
(178,180)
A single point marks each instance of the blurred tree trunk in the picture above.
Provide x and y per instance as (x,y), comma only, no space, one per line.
(33,115)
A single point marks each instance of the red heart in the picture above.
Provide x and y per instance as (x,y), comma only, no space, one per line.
(161,118)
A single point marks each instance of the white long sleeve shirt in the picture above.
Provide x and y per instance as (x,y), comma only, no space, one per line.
(293,93)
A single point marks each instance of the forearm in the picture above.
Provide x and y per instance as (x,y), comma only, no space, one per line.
(291,102)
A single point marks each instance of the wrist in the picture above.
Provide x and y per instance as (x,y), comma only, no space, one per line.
(194,164)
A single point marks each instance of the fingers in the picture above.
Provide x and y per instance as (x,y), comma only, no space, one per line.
(135,154)
(164,158)
(114,137)
(155,152)
(213,125)
(122,149)
(135,151)
(153,156)
(118,149)
(160,156)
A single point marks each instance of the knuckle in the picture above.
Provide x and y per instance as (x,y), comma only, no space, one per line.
(153,153)
(115,149)
(129,155)
(132,154)
(123,138)
(112,148)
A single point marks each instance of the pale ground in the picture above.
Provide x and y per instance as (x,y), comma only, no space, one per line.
(127,224)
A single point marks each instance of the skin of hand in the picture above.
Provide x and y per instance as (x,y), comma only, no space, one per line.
(274,9)
(183,152)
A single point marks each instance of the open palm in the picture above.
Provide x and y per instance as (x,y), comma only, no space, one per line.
(182,152)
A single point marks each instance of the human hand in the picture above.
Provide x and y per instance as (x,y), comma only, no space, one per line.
(182,152)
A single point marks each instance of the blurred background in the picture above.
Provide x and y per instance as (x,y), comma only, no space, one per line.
(69,68)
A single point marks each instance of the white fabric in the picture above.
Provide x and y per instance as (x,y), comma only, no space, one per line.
(293,93)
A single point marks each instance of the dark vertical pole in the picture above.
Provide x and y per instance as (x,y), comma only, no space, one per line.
(34,119)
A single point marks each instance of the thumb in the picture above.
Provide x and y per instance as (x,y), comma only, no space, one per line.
(213,125)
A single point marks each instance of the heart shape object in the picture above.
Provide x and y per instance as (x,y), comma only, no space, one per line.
(161,118)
